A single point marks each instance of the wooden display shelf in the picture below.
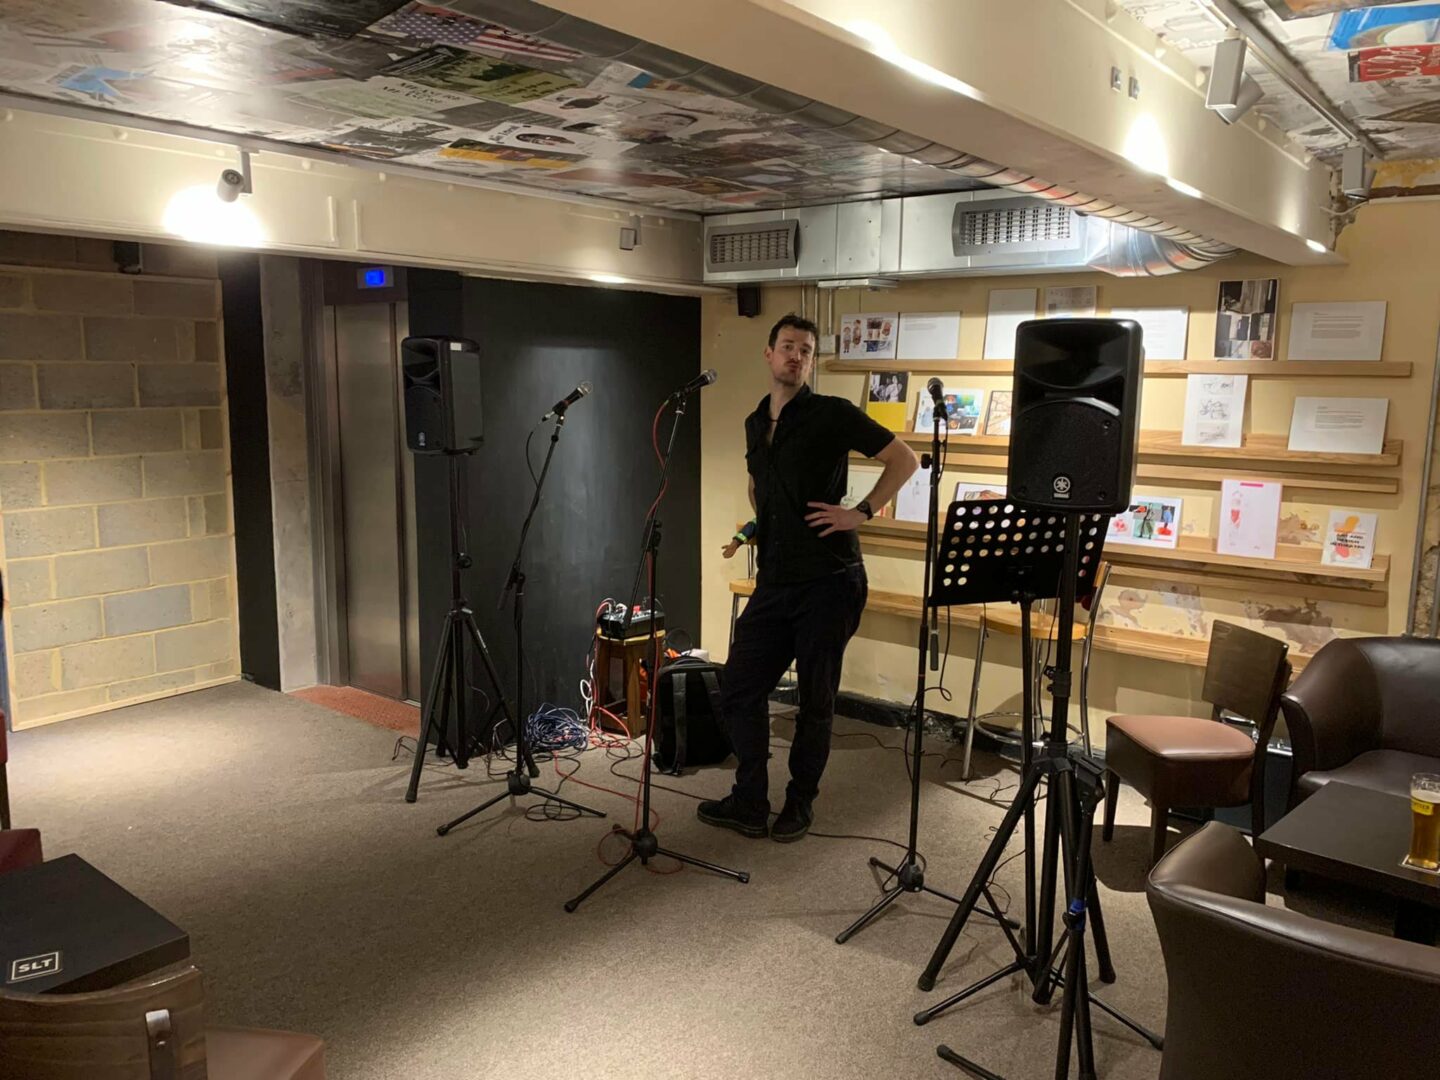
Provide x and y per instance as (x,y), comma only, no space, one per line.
(1291,562)
(1167,444)
(1197,476)
(1006,619)
(1164,369)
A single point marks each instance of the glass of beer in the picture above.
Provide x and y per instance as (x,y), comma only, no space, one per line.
(1425,821)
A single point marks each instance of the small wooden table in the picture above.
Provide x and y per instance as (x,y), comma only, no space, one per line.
(1359,835)
(65,926)
(627,656)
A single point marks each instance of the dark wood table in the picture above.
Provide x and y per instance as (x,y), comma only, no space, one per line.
(1358,835)
(66,927)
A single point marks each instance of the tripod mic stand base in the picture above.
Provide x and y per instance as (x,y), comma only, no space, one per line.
(978,1071)
(517,783)
(645,845)
(909,878)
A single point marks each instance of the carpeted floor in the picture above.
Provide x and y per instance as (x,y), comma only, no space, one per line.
(274,831)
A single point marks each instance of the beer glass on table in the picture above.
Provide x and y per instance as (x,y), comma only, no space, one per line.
(1425,821)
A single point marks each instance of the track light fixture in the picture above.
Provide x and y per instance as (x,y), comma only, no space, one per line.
(1231,93)
(1356,172)
(235,182)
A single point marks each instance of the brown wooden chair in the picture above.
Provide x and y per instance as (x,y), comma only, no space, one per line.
(1191,761)
(150,1029)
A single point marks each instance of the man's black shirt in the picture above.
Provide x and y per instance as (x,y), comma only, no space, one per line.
(806,461)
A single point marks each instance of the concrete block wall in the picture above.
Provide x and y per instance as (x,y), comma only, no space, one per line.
(116,550)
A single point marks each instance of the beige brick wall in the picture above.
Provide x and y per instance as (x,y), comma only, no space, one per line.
(116,547)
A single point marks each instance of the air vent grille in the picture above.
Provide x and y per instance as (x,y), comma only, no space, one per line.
(1017,225)
(768,245)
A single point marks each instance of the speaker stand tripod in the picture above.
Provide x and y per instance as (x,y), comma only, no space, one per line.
(909,876)
(1068,825)
(644,844)
(448,682)
(518,780)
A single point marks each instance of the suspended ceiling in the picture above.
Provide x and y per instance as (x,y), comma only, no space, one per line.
(438,88)
(1380,63)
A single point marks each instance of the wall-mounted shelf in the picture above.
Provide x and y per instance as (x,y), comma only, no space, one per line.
(1196,476)
(1167,444)
(1164,369)
(1291,563)
(1003,617)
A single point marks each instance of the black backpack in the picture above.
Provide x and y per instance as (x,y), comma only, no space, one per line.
(687,701)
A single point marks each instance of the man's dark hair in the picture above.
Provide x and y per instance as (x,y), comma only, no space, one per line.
(797,323)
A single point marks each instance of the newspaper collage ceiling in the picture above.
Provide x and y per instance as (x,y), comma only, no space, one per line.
(438,87)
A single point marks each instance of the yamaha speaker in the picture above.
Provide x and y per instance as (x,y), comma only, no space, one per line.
(441,377)
(1075,413)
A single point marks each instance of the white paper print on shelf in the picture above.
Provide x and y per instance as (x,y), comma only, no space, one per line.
(1334,425)
(1349,539)
(1149,521)
(1008,309)
(1163,330)
(913,501)
(1337,331)
(929,335)
(1249,518)
(1214,410)
(1070,301)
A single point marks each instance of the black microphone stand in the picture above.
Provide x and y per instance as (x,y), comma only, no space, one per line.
(517,780)
(909,876)
(644,844)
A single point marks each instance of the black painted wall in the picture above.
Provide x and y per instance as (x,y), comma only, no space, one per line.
(250,468)
(536,343)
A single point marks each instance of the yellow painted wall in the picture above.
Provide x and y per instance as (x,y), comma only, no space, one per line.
(1387,261)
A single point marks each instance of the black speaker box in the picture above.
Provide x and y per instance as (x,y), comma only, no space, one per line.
(1075,414)
(441,378)
(747,300)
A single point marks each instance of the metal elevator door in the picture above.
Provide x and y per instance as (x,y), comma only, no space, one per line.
(377,495)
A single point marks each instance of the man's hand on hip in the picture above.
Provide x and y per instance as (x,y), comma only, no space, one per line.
(832,519)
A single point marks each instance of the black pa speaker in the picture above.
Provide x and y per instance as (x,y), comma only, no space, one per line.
(1075,413)
(441,377)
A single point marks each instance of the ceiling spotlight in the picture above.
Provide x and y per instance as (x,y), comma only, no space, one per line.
(1231,93)
(235,182)
(1317,247)
(1356,172)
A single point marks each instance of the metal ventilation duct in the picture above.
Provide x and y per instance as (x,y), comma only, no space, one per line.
(1171,250)
(946,235)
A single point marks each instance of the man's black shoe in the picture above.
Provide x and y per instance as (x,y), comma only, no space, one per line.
(728,813)
(793,822)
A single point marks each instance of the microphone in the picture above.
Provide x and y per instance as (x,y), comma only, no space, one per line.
(699,382)
(936,389)
(569,399)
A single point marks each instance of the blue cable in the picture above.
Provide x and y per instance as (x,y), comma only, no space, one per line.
(551,727)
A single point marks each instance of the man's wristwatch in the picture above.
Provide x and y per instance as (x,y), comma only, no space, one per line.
(864,507)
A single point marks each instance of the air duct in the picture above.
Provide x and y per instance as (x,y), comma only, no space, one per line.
(1171,249)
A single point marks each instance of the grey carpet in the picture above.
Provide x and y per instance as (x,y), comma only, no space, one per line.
(274,831)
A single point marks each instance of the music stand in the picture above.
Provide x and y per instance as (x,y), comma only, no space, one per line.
(999,550)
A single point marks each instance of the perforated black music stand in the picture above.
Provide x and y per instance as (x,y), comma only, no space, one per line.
(991,551)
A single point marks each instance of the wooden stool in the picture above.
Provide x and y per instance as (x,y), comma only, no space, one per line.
(628,654)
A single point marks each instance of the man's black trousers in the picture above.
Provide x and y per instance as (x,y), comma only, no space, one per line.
(809,623)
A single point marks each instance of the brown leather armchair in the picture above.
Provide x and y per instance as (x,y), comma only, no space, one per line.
(1263,993)
(1364,712)
(150,1029)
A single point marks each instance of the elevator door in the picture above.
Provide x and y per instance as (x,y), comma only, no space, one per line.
(381,603)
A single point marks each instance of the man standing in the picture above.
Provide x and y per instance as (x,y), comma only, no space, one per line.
(810,585)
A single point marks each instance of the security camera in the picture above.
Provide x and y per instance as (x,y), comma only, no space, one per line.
(230,186)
